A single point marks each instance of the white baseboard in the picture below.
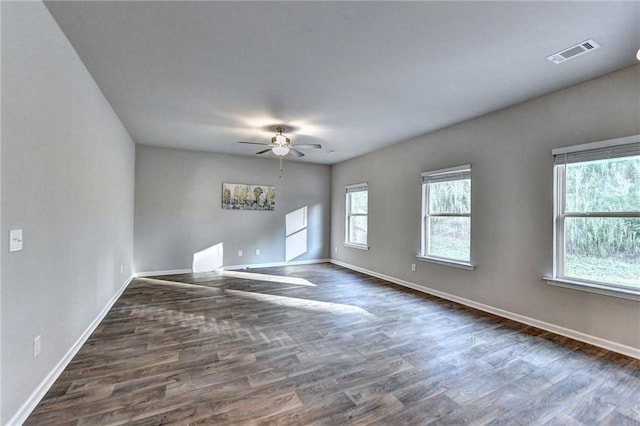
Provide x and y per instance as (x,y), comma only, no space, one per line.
(20,416)
(567,332)
(167,272)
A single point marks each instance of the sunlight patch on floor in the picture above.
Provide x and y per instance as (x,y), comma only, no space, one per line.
(205,322)
(310,305)
(176,284)
(268,278)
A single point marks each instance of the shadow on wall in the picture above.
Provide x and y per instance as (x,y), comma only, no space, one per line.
(316,233)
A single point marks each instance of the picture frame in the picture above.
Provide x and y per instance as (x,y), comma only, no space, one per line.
(240,196)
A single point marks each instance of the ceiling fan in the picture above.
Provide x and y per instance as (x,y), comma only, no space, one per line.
(281,145)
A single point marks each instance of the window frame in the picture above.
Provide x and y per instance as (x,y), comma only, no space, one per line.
(591,151)
(351,189)
(425,237)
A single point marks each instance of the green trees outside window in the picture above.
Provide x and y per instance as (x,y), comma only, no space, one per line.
(601,218)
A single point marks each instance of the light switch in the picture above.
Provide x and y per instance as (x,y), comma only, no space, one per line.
(15,239)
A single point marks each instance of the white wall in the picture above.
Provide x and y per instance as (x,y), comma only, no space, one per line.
(67,181)
(178,208)
(510,153)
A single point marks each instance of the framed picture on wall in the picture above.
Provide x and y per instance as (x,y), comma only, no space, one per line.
(240,196)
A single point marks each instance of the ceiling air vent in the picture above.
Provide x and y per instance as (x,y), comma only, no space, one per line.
(573,51)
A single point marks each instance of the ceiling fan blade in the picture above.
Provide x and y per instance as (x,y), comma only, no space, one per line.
(254,143)
(296,152)
(263,151)
(308,145)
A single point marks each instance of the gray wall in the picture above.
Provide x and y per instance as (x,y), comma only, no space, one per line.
(510,153)
(67,181)
(1,251)
(178,208)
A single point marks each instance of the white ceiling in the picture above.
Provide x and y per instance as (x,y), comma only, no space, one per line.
(353,76)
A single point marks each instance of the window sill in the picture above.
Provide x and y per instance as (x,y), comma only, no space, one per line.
(620,292)
(357,246)
(447,262)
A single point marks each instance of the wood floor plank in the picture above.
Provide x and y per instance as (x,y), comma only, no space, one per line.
(319,344)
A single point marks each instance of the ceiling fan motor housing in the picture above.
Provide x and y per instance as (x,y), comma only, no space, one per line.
(280,139)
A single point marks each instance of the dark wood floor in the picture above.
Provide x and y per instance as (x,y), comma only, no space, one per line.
(319,344)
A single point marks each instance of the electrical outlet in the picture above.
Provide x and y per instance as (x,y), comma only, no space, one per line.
(37,346)
(413,267)
(121,268)
(257,252)
(15,240)
(239,253)
(335,249)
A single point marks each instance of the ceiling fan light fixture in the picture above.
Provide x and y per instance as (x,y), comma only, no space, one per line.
(280,150)
(281,143)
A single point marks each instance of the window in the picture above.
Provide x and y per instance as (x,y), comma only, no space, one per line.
(597,215)
(446,216)
(357,207)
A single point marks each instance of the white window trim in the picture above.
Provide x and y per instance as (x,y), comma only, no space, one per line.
(559,213)
(596,145)
(356,187)
(594,287)
(447,170)
(424,239)
(447,262)
(356,246)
